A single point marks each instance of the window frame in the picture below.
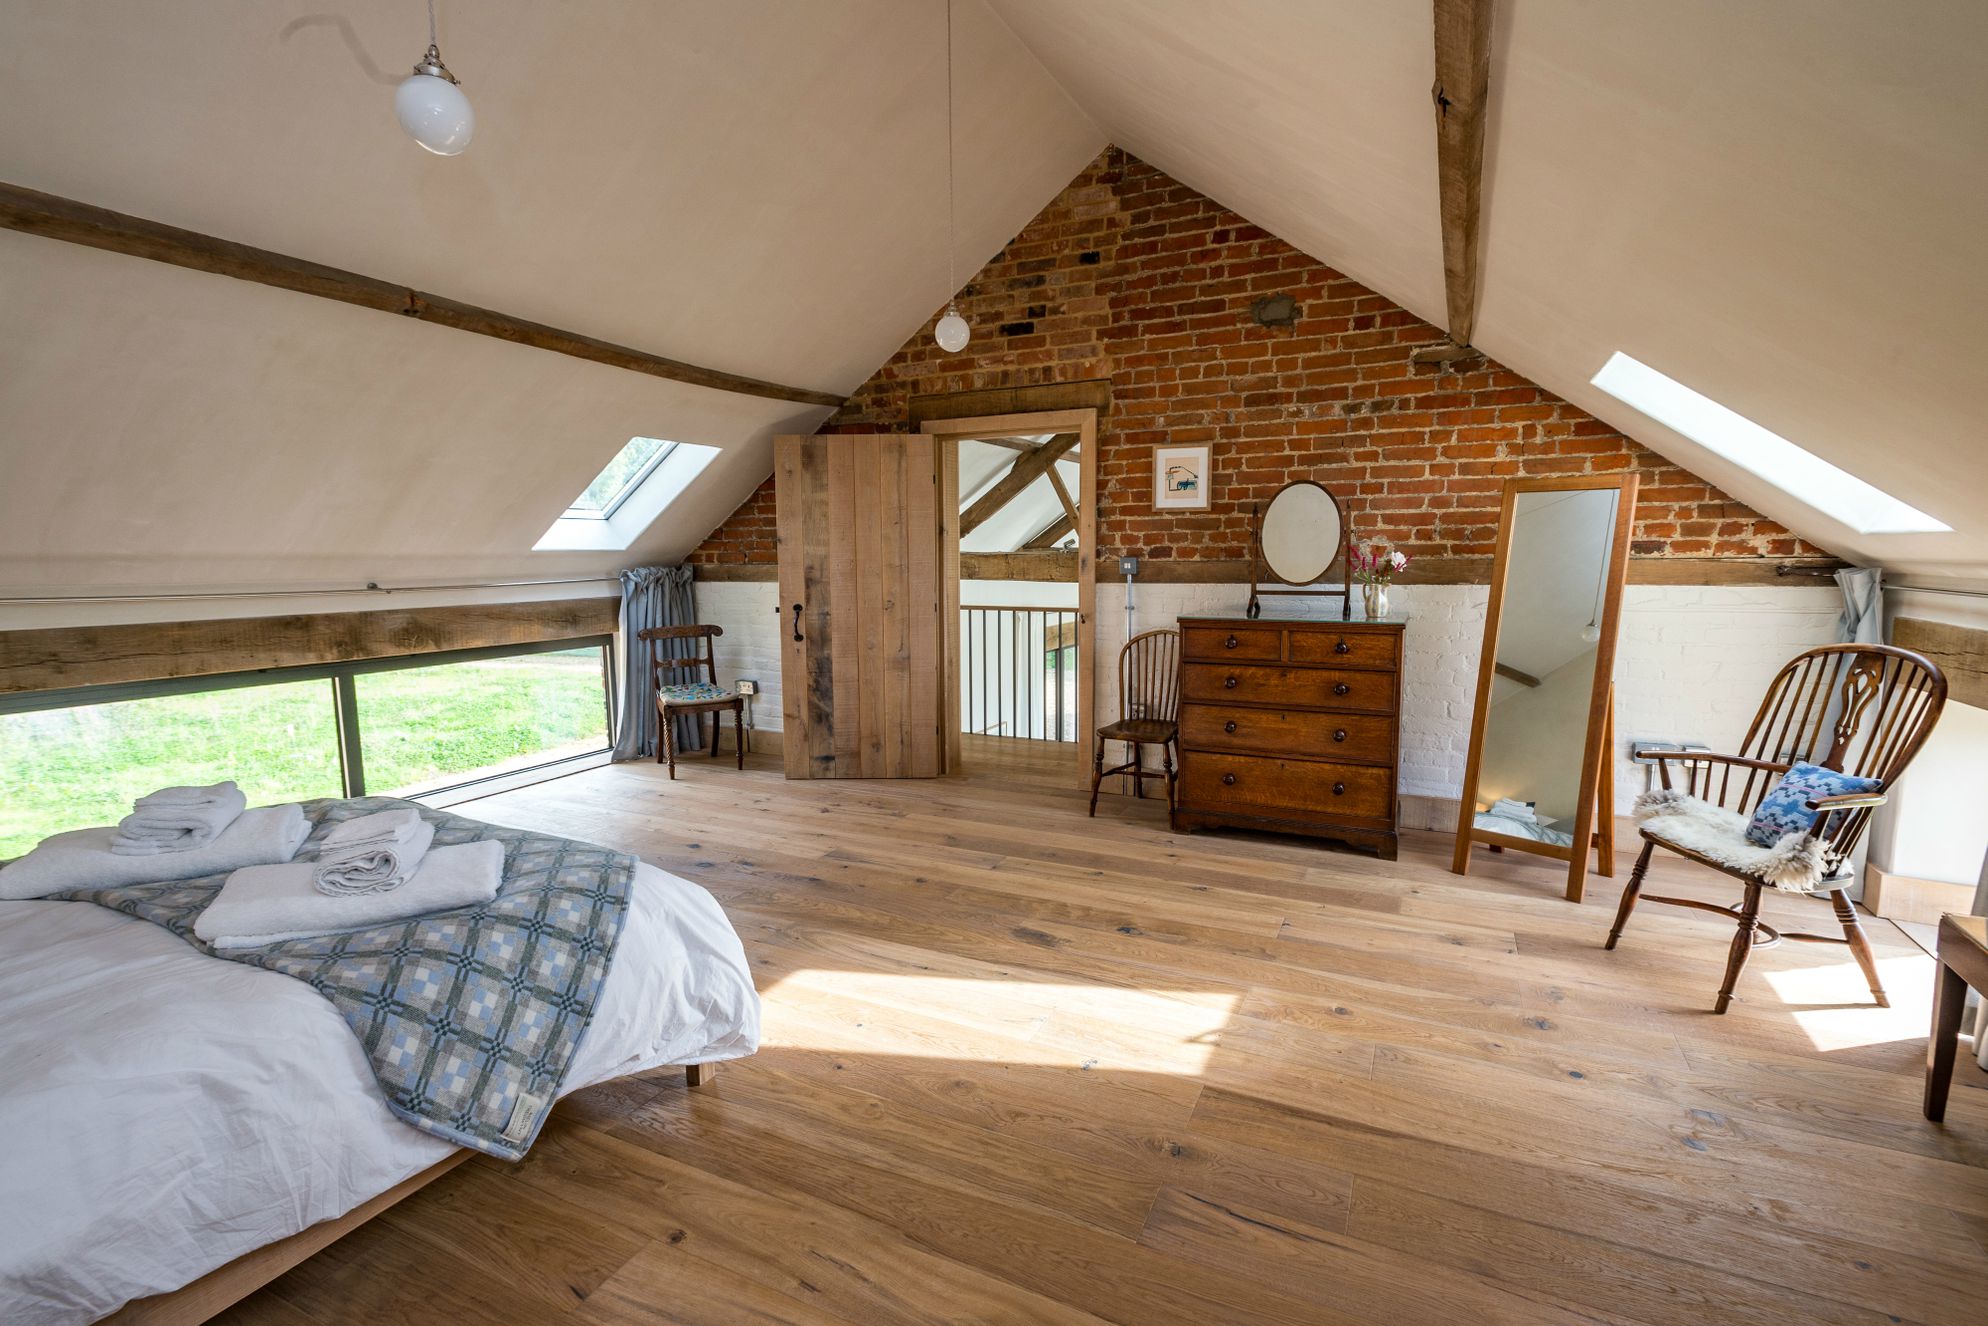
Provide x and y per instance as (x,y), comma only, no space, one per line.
(627,489)
(344,698)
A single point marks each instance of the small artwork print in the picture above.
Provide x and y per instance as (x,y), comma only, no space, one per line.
(1180,478)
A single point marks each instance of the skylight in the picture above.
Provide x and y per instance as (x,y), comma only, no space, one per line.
(622,476)
(1836,493)
(625,498)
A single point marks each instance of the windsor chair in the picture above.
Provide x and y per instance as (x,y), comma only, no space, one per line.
(1148,712)
(1857,709)
(693,697)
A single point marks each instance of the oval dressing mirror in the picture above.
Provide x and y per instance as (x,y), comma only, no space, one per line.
(1301,533)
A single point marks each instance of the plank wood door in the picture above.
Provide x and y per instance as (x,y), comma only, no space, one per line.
(862,540)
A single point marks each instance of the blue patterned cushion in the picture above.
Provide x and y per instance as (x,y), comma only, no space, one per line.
(1785,810)
(694,691)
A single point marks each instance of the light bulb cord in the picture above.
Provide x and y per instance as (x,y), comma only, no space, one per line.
(432,40)
(952,274)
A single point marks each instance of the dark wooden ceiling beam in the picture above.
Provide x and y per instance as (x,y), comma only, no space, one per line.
(1059,527)
(35,213)
(1463,79)
(1029,466)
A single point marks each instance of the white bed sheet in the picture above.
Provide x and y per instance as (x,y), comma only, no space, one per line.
(163,1112)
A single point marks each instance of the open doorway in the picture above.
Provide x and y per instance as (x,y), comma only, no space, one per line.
(1020,665)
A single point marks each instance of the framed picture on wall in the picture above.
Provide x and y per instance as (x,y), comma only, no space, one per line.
(1181,478)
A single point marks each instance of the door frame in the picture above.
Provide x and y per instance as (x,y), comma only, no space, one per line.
(949,432)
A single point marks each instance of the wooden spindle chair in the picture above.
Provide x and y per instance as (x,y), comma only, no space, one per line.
(693,697)
(1863,710)
(1148,711)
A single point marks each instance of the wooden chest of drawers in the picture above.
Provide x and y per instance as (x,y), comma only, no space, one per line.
(1292,725)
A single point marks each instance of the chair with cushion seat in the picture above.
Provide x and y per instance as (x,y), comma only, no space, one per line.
(694,697)
(1858,714)
(1148,704)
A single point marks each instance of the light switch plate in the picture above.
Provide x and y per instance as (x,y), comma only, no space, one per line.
(747,686)
(1128,566)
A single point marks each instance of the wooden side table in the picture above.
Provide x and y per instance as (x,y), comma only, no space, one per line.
(1963,962)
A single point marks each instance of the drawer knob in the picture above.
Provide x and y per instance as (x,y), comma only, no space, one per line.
(1342,648)
(1230,643)
(1339,734)
(1230,684)
(1228,780)
(1339,789)
(1340,689)
(1229,726)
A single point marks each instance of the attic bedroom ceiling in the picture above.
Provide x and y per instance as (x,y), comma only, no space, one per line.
(1774,203)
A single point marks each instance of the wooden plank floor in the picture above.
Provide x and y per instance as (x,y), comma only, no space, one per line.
(1025,1066)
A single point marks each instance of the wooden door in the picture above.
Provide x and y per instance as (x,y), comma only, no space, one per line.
(862,537)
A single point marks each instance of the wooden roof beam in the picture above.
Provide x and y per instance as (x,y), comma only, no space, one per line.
(35,213)
(1463,78)
(1029,466)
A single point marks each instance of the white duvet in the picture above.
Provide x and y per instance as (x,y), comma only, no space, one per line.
(163,1112)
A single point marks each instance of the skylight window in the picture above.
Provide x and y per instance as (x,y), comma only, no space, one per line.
(623,475)
(1836,493)
(624,499)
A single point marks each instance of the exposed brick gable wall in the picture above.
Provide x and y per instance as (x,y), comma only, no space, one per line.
(1132,276)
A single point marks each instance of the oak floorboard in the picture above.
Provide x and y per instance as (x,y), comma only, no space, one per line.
(1022,1065)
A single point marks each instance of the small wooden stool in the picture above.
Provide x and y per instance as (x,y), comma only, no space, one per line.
(1963,963)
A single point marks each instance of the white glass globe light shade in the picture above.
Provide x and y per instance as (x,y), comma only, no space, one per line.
(435,113)
(952,333)
(1591,633)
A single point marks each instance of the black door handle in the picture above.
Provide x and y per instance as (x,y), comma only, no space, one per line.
(1339,734)
(1339,789)
(1230,643)
(1342,648)
(1228,780)
(1230,684)
(1229,726)
(797,621)
(1341,689)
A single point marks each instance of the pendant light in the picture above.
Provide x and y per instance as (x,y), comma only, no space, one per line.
(952,333)
(1591,633)
(430,103)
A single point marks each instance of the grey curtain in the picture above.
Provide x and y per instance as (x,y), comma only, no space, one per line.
(1862,621)
(651,596)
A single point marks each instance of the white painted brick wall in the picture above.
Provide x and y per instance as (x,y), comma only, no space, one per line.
(1691,665)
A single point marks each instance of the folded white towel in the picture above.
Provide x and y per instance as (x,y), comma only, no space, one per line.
(378,865)
(166,821)
(269,904)
(365,830)
(82,859)
(182,796)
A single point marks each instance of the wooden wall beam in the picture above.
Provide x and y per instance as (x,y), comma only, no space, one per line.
(1961,652)
(1059,527)
(1089,393)
(1028,467)
(35,213)
(1463,77)
(58,657)
(1050,565)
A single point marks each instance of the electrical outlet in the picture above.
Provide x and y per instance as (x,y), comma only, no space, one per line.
(747,686)
(1128,567)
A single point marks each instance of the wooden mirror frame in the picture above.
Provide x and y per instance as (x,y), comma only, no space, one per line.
(1597,759)
(1261,574)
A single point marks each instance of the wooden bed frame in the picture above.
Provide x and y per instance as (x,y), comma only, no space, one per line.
(227,1285)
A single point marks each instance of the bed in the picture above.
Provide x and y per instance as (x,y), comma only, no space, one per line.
(168,1114)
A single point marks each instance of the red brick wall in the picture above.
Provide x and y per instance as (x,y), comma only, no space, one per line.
(1132,276)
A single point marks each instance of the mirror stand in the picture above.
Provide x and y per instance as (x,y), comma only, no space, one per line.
(1542,732)
(1280,569)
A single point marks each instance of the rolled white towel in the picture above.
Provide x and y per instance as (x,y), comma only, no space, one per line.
(377,865)
(168,822)
(269,904)
(82,859)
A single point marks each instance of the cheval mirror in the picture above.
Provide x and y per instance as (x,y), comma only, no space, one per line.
(1299,536)
(1540,768)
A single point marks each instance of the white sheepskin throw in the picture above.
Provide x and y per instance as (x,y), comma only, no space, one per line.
(1794,863)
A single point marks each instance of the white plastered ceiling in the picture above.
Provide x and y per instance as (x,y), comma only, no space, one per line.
(1777,202)
(756,188)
